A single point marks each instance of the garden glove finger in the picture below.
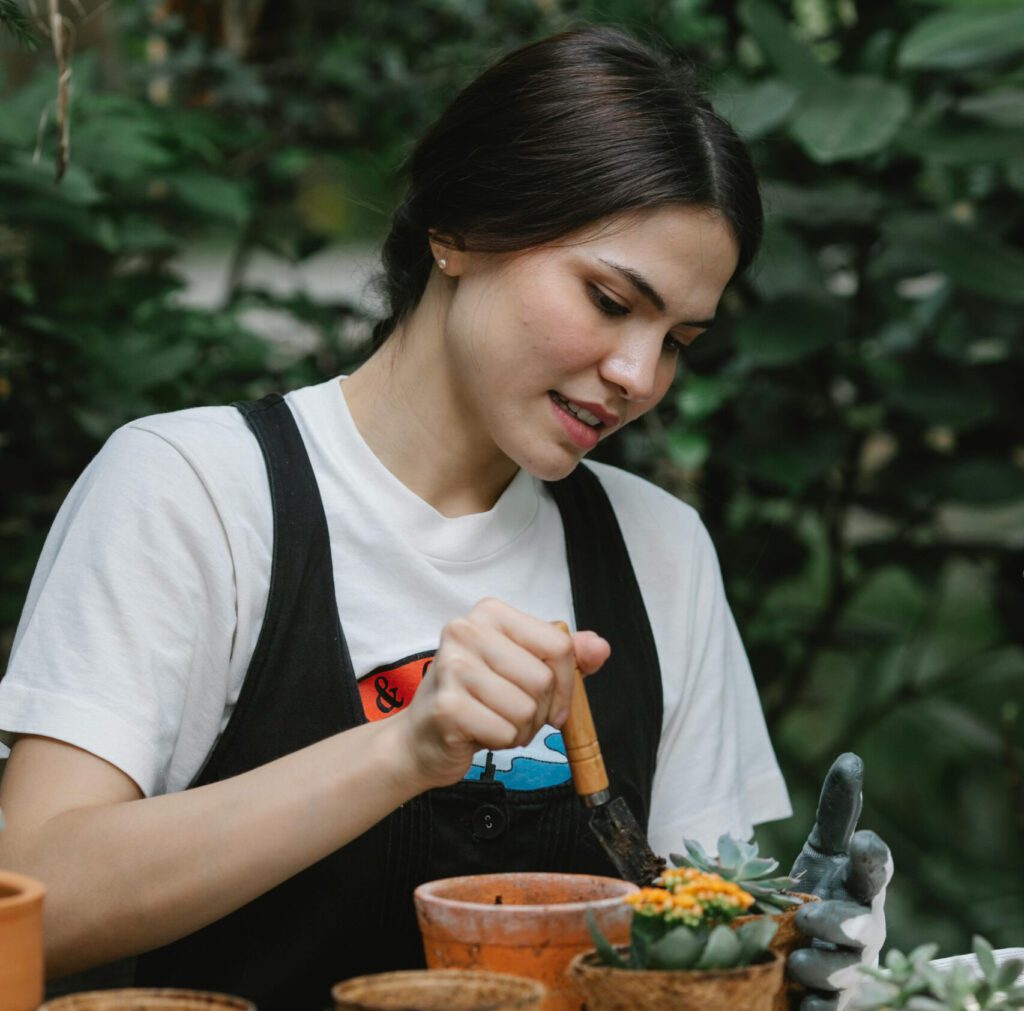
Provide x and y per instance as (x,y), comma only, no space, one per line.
(819,1002)
(849,872)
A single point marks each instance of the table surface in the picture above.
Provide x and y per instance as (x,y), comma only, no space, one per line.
(971,960)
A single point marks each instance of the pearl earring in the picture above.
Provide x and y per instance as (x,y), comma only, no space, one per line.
(442,263)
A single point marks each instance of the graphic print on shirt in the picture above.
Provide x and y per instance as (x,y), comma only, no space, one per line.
(388,689)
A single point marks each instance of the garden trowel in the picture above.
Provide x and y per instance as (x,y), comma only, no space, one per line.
(611,820)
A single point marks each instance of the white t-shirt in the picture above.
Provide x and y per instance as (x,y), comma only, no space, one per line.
(148,598)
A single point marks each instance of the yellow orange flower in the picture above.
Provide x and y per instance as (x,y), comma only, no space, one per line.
(689,895)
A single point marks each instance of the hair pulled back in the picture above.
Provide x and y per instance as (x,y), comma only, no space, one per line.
(557,135)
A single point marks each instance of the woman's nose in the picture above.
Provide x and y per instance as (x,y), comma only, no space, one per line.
(634,368)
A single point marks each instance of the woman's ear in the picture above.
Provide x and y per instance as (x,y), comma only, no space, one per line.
(448,253)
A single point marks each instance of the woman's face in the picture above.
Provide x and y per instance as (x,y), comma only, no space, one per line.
(553,349)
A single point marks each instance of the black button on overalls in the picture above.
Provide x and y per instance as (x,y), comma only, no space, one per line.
(488,822)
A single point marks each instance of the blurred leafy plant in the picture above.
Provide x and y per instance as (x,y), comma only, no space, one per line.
(850,430)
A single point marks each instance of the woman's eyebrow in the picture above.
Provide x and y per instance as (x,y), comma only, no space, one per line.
(645,288)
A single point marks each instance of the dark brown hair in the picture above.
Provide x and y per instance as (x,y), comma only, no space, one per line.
(557,135)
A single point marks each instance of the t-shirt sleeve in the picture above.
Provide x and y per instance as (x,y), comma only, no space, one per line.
(716,768)
(131,604)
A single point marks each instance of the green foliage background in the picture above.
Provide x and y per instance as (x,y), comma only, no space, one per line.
(852,433)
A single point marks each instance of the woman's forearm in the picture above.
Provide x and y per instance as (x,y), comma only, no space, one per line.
(123,878)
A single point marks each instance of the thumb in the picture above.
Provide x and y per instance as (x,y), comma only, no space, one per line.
(591,651)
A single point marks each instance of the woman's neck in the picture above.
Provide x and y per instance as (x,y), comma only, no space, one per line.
(404,405)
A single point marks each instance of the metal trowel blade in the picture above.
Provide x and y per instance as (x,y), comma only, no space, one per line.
(625,843)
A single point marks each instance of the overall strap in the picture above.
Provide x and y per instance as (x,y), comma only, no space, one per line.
(607,599)
(301,637)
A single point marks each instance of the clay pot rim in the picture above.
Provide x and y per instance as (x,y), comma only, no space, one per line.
(28,889)
(428,892)
(585,960)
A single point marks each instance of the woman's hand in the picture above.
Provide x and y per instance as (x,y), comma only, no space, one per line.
(498,677)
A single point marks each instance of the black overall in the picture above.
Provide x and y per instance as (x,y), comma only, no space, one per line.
(352,912)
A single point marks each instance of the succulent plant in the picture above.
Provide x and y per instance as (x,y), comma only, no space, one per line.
(912,982)
(739,861)
(686,926)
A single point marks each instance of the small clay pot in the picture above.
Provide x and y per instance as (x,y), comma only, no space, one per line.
(21,942)
(787,939)
(528,924)
(750,988)
(148,999)
(438,990)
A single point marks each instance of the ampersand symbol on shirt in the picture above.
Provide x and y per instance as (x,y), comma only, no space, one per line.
(387,697)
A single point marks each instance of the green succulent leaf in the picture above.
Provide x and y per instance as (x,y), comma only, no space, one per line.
(729,854)
(1007,973)
(926,1004)
(722,950)
(698,855)
(754,937)
(678,949)
(986,960)
(604,947)
(755,868)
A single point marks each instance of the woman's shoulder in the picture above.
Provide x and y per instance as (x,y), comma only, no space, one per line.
(197,431)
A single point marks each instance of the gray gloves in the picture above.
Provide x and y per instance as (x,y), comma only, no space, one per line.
(849,871)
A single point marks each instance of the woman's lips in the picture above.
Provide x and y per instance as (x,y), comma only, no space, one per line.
(581,434)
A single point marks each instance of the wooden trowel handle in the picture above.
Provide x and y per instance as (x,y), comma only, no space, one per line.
(580,737)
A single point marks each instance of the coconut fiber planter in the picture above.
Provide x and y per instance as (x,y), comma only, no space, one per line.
(527,924)
(438,990)
(21,942)
(787,939)
(750,988)
(146,999)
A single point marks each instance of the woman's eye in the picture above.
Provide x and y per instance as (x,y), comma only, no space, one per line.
(606,303)
(673,344)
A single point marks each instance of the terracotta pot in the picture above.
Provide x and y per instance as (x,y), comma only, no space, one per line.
(528,924)
(21,942)
(148,999)
(438,990)
(751,988)
(787,939)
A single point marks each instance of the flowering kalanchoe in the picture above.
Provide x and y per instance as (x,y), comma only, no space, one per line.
(739,861)
(682,923)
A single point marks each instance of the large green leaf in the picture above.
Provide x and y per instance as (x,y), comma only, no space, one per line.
(789,329)
(952,144)
(785,265)
(212,196)
(943,395)
(821,206)
(77,186)
(756,109)
(974,259)
(793,59)
(849,117)
(1002,107)
(979,482)
(955,40)
(790,462)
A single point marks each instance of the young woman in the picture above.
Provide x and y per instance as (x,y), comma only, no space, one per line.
(281,663)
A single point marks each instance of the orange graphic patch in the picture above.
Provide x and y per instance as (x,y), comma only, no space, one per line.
(388,690)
